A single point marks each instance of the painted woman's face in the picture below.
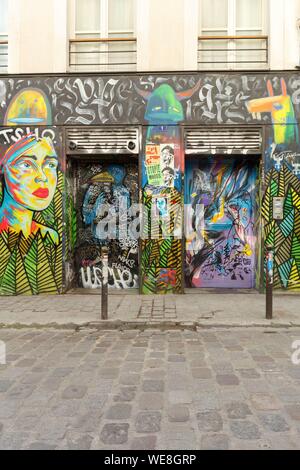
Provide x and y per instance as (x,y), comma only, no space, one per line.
(31,178)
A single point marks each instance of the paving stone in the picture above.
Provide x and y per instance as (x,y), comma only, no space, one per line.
(176,358)
(76,441)
(13,440)
(238,410)
(179,397)
(26,362)
(209,421)
(153,364)
(245,430)
(119,411)
(151,401)
(156,374)
(64,409)
(125,394)
(274,422)
(5,385)
(227,379)
(62,371)
(148,422)
(131,367)
(109,373)
(215,442)
(21,391)
(206,401)
(264,401)
(153,386)
(249,373)
(144,443)
(294,411)
(74,391)
(114,433)
(201,373)
(178,413)
(41,445)
(129,379)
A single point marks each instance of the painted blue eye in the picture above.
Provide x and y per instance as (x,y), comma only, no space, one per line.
(25,165)
(51,165)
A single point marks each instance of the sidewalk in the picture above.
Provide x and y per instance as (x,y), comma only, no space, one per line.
(186,311)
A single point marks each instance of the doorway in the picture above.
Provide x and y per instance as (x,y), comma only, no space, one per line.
(104,191)
(221,215)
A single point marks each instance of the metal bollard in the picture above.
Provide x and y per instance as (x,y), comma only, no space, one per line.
(104,292)
(269,282)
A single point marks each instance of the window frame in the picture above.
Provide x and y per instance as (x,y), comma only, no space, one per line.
(233,30)
(104,32)
(112,39)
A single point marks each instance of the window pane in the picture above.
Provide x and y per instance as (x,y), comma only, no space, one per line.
(213,14)
(249,14)
(3,16)
(213,54)
(87,15)
(121,15)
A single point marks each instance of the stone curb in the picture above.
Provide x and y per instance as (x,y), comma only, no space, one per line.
(157,324)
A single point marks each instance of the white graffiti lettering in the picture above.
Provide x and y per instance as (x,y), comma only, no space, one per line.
(13,135)
(118,278)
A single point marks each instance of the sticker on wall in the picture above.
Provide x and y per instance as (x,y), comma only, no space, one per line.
(153,165)
(167,164)
(161,206)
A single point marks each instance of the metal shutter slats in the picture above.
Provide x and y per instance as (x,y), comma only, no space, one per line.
(223,141)
(118,140)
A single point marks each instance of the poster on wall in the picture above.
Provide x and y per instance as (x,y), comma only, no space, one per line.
(153,165)
(167,164)
(161,206)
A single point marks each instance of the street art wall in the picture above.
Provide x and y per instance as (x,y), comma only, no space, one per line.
(92,100)
(282,164)
(104,193)
(161,103)
(31,212)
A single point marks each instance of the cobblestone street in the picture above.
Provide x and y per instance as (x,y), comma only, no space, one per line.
(208,389)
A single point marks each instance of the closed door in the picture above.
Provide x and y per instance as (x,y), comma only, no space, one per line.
(105,194)
(220,222)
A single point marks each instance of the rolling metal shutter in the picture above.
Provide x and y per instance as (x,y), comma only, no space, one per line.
(218,140)
(102,140)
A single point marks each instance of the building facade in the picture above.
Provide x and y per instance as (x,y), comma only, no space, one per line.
(146,134)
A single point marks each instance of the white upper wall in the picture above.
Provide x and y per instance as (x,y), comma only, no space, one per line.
(37,36)
(167,33)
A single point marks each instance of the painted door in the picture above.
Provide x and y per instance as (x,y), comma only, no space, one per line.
(220,214)
(106,194)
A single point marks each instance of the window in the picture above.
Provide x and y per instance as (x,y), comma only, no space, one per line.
(111,24)
(3,35)
(243,22)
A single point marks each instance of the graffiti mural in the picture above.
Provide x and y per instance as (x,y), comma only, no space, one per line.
(104,198)
(31,194)
(162,170)
(282,112)
(282,163)
(159,102)
(30,107)
(84,100)
(220,198)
